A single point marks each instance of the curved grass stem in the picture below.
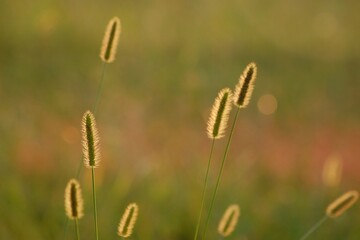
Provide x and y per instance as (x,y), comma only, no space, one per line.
(314,228)
(204,190)
(220,173)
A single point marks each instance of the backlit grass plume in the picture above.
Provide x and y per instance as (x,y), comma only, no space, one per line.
(74,204)
(341,204)
(73,200)
(335,209)
(90,141)
(91,154)
(216,127)
(219,115)
(110,40)
(229,220)
(245,86)
(128,220)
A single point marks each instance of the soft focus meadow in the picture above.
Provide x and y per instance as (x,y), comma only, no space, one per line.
(173,58)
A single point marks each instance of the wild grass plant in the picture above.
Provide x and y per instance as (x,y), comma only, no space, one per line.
(216,129)
(74,203)
(91,152)
(334,210)
(241,98)
(90,142)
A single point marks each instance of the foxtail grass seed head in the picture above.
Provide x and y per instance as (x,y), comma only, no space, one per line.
(74,204)
(90,141)
(245,86)
(219,115)
(340,205)
(128,220)
(332,171)
(110,40)
(229,220)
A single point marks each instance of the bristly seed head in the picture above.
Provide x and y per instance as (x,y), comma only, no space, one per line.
(128,220)
(341,204)
(229,220)
(74,204)
(245,86)
(219,115)
(90,142)
(110,40)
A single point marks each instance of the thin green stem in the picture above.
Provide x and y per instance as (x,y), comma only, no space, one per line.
(66,227)
(204,190)
(94,202)
(77,229)
(220,173)
(314,227)
(100,89)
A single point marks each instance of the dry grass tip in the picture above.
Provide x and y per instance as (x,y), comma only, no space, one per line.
(341,204)
(128,220)
(245,86)
(219,115)
(110,40)
(229,220)
(74,204)
(90,141)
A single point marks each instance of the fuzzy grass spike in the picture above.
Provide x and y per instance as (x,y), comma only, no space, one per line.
(245,86)
(220,114)
(110,40)
(229,220)
(128,220)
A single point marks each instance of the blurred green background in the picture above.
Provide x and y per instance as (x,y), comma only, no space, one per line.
(173,58)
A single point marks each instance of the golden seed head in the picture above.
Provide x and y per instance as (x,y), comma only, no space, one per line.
(332,171)
(229,220)
(128,220)
(245,86)
(74,204)
(341,204)
(90,141)
(110,40)
(219,115)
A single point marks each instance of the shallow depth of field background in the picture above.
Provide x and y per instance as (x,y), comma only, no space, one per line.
(173,58)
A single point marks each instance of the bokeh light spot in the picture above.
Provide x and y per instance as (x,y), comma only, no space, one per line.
(267,104)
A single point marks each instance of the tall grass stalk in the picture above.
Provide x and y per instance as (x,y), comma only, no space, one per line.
(335,209)
(107,55)
(220,172)
(241,98)
(100,88)
(216,127)
(314,228)
(94,202)
(95,108)
(77,229)
(91,153)
(204,190)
